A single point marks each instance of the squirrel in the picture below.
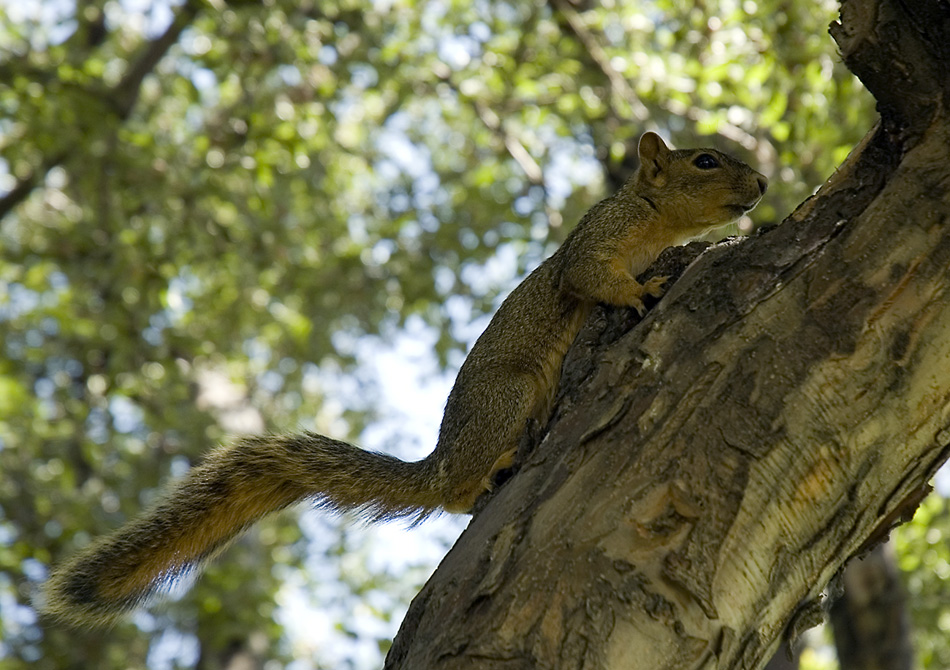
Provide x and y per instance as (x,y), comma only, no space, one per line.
(509,378)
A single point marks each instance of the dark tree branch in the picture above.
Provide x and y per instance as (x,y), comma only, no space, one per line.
(126,92)
(900,51)
(618,83)
(121,98)
(624,92)
(871,624)
(25,185)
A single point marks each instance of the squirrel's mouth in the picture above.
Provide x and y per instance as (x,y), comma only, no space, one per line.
(741,209)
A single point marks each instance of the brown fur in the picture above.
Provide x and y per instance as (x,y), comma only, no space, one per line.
(509,377)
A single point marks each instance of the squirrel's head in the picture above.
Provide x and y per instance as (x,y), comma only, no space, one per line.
(695,190)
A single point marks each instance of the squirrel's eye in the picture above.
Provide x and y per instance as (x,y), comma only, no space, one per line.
(706,162)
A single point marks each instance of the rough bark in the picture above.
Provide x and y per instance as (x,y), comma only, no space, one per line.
(710,469)
(871,624)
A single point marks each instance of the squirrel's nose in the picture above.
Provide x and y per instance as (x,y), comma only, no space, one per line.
(763,184)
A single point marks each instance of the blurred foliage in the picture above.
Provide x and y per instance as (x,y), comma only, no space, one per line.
(924,558)
(240,191)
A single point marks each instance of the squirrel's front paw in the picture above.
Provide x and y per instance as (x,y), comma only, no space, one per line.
(655,286)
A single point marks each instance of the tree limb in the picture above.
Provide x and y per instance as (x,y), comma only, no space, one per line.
(126,92)
(638,111)
(618,83)
(121,98)
(25,185)
(784,405)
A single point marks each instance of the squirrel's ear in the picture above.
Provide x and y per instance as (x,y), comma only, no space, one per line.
(652,152)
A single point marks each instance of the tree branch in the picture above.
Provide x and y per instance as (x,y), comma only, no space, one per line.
(126,92)
(121,98)
(514,146)
(783,406)
(877,38)
(25,185)
(618,83)
(638,111)
(521,156)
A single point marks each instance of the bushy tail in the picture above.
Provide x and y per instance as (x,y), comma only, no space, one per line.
(231,490)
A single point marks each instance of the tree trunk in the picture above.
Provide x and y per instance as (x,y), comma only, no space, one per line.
(709,469)
(870,621)
(783,659)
